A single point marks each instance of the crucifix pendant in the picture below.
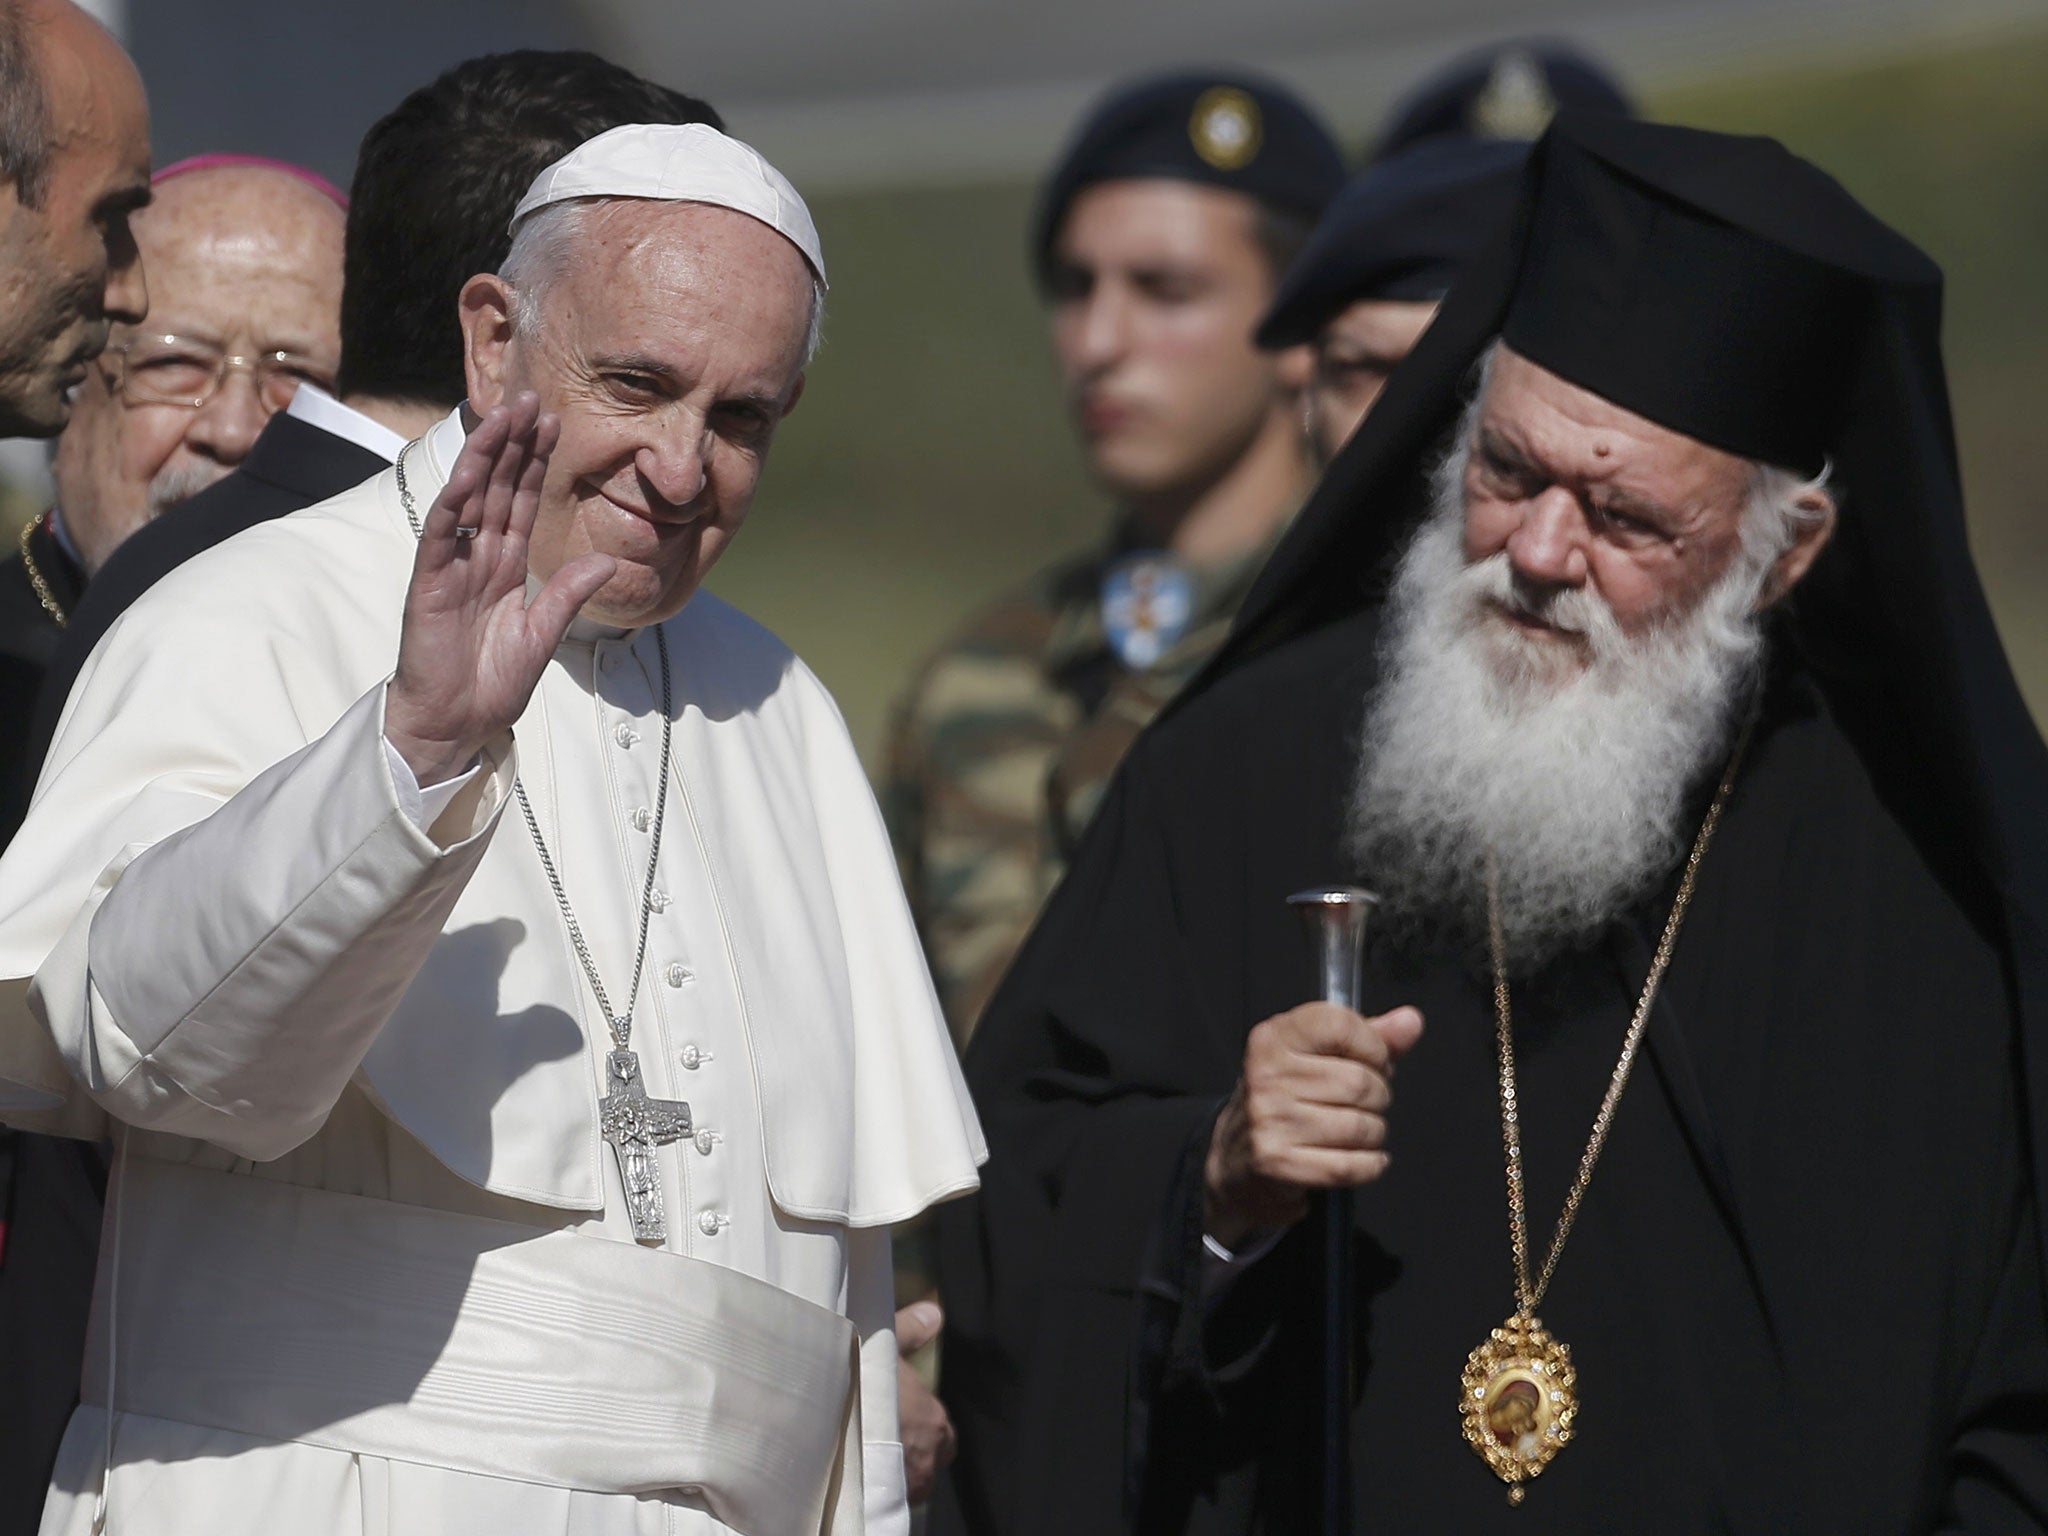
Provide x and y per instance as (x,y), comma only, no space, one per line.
(635,1125)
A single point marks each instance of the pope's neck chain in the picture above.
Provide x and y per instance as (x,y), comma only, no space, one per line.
(619,1024)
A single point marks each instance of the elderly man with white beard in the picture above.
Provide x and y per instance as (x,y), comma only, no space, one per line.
(1711,840)
(484,951)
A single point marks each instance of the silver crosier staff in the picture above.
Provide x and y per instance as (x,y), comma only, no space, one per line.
(1334,918)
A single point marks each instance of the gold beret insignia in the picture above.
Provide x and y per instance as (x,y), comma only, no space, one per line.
(1225,128)
(1517,102)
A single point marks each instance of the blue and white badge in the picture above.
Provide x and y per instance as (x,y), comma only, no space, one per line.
(1148,601)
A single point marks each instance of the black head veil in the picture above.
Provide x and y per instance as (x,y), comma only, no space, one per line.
(1723,287)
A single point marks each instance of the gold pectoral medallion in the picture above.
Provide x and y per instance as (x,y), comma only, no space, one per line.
(1520,1401)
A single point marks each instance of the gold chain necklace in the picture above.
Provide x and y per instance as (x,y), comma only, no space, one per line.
(1520,1397)
(35,576)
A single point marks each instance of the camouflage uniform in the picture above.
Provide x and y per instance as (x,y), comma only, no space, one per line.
(1003,748)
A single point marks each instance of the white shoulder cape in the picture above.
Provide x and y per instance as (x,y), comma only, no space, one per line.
(260,647)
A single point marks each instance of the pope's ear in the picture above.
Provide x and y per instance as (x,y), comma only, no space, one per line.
(1816,527)
(485,310)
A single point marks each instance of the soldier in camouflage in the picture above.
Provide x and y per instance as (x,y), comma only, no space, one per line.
(1008,737)
(1160,240)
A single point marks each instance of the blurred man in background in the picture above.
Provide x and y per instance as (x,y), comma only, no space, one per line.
(244,260)
(74,156)
(1443,182)
(1159,241)
(74,166)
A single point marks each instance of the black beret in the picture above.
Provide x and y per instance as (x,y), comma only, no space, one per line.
(1221,129)
(1402,229)
(1503,91)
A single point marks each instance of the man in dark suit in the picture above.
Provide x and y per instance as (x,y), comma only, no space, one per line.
(432,200)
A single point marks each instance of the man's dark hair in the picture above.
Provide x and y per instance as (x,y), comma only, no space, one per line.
(24,110)
(436,182)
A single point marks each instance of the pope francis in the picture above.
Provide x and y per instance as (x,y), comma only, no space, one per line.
(484,954)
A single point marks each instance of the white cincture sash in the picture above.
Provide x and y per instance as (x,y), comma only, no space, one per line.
(417,1335)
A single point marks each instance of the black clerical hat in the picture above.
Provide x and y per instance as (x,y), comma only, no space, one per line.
(1654,275)
(1401,229)
(1504,91)
(1219,128)
(1703,245)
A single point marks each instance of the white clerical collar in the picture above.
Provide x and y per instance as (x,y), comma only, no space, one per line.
(442,444)
(317,408)
(582,632)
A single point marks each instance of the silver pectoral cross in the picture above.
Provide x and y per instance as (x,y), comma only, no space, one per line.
(635,1125)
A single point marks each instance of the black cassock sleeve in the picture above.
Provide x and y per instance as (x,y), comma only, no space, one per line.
(1098,1071)
(1072,1350)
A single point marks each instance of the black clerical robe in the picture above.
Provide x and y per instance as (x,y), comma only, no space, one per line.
(1803,1293)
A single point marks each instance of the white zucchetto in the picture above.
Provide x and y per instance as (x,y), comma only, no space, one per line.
(679,163)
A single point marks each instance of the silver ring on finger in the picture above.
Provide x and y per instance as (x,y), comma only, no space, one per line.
(464,531)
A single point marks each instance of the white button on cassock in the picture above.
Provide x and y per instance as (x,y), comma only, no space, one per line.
(676,974)
(692,1058)
(625,736)
(658,901)
(706,1140)
(710,1223)
(642,819)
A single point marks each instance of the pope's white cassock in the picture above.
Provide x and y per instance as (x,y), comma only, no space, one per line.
(367,1266)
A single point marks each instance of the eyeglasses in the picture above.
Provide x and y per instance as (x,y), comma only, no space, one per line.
(179,370)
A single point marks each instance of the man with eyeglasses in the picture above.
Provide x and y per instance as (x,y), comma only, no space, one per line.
(244,258)
(244,261)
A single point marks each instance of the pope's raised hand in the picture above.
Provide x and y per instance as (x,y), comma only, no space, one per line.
(472,647)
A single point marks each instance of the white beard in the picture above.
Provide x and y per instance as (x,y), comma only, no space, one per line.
(181,482)
(1570,774)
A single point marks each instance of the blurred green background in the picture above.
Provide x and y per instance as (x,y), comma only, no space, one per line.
(930,466)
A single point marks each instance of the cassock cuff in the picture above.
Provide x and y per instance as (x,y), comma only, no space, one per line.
(423,807)
(1221,1265)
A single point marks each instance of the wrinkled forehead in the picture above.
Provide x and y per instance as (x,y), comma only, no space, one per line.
(209,214)
(1574,430)
(662,275)
(244,251)
(685,252)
